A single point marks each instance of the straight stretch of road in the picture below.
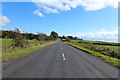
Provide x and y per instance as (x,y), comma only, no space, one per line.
(60,60)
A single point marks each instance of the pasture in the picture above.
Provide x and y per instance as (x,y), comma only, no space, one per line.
(106,48)
(105,53)
(10,52)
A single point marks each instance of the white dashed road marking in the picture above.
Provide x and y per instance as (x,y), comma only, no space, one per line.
(63,56)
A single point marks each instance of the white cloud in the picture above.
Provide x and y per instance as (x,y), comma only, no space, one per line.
(49,10)
(4,20)
(12,29)
(37,12)
(99,4)
(102,35)
(54,6)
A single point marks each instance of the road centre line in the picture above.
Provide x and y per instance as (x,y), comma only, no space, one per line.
(63,56)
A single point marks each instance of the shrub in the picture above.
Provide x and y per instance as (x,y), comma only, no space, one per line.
(20,41)
(109,51)
(68,39)
(53,35)
(42,37)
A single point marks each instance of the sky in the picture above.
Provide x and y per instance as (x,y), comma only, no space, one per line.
(87,19)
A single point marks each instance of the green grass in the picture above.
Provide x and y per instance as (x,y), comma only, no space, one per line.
(63,39)
(108,50)
(87,41)
(6,42)
(9,42)
(23,51)
(92,42)
(114,48)
(111,60)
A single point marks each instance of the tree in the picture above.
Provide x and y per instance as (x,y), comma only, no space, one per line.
(8,34)
(0,34)
(76,38)
(19,40)
(64,37)
(70,37)
(42,37)
(17,30)
(29,36)
(54,35)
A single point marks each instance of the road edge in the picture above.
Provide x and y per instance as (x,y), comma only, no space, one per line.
(99,55)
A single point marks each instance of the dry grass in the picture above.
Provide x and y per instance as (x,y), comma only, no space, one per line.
(10,52)
(111,51)
(106,58)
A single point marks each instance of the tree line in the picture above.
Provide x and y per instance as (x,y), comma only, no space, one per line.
(69,38)
(29,36)
(20,39)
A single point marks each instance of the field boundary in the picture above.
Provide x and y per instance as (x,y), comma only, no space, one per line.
(113,61)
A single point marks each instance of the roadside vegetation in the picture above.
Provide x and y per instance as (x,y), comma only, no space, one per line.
(108,50)
(15,52)
(104,50)
(16,44)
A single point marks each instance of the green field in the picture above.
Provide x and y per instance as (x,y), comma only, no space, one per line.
(114,48)
(110,49)
(96,42)
(10,52)
(9,42)
(104,50)
(6,42)
(108,59)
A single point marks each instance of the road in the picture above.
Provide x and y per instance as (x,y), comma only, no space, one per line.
(59,60)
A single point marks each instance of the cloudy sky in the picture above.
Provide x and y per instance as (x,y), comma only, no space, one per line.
(87,19)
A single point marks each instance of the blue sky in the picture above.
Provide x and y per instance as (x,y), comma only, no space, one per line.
(86,23)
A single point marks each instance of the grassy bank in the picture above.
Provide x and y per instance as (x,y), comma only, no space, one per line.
(9,42)
(6,42)
(11,52)
(96,42)
(106,58)
(109,50)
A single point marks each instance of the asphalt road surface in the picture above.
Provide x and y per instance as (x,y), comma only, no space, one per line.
(59,60)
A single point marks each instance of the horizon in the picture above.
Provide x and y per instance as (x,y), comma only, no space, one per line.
(66,36)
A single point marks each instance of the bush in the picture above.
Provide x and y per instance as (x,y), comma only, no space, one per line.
(109,51)
(53,35)
(68,39)
(20,41)
(42,37)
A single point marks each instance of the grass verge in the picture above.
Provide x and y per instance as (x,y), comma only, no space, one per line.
(113,61)
(23,51)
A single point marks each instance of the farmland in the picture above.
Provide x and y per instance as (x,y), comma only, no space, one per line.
(103,50)
(9,42)
(11,52)
(96,42)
